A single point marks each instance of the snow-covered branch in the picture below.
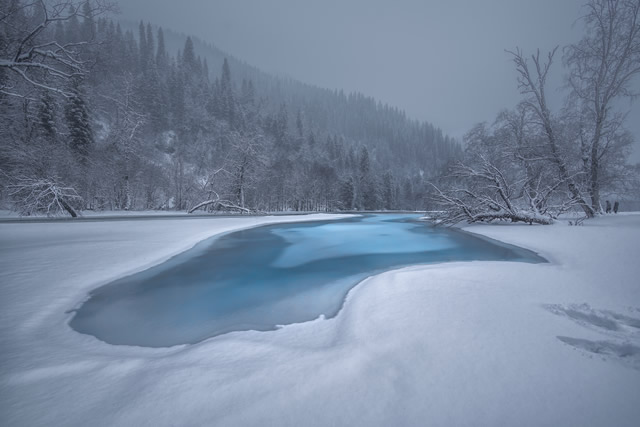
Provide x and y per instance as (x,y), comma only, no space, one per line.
(48,64)
(43,195)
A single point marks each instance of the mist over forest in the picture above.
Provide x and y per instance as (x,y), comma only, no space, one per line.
(139,119)
(101,114)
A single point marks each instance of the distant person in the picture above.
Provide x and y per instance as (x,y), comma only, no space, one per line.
(608,207)
(616,205)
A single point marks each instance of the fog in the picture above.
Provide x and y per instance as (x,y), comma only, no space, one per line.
(444,62)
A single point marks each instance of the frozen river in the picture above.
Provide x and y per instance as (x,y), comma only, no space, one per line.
(273,275)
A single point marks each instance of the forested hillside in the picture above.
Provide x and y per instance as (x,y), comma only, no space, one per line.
(94,116)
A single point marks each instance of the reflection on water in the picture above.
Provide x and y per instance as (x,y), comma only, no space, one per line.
(268,276)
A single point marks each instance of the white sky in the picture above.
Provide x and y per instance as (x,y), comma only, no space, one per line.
(440,61)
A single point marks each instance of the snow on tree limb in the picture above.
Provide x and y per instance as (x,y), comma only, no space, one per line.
(47,65)
(43,195)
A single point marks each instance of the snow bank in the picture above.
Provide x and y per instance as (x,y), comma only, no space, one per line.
(479,343)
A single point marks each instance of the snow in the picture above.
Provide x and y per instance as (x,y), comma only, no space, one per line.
(8,214)
(474,343)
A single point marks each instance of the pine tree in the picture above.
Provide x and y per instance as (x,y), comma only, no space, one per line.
(47,116)
(407,195)
(78,122)
(365,163)
(280,127)
(299,125)
(150,47)
(226,98)
(189,56)
(161,53)
(387,190)
(347,193)
(130,52)
(143,54)
(367,199)
(205,70)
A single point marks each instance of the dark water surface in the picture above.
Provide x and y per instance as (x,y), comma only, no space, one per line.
(272,275)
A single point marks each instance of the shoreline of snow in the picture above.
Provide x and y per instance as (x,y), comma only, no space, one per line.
(181,237)
(463,343)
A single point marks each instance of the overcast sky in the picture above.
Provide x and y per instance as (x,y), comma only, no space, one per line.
(440,61)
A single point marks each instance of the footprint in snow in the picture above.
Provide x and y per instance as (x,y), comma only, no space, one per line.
(625,353)
(624,329)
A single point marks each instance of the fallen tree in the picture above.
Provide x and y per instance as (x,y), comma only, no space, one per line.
(216,203)
(491,197)
(504,175)
(43,196)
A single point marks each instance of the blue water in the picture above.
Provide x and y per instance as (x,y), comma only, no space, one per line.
(274,275)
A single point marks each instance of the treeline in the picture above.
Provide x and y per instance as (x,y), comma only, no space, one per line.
(94,117)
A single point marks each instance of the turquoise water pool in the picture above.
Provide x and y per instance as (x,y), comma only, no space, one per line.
(273,275)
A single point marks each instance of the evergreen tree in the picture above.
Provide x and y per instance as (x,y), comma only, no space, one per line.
(47,116)
(387,190)
(367,199)
(143,54)
(280,127)
(189,56)
(347,193)
(78,122)
(407,195)
(205,70)
(161,53)
(130,51)
(226,98)
(150,48)
(299,125)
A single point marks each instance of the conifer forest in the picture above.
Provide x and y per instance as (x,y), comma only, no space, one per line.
(99,116)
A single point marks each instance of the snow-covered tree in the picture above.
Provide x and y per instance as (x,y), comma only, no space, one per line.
(532,85)
(602,69)
(78,121)
(37,60)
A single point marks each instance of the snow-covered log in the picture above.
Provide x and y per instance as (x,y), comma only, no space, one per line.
(461,205)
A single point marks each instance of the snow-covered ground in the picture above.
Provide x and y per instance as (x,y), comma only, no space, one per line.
(479,343)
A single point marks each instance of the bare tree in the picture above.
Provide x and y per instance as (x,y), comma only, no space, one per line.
(603,65)
(125,132)
(213,200)
(238,174)
(244,162)
(44,64)
(532,85)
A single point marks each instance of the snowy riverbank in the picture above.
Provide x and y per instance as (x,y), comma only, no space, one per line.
(479,343)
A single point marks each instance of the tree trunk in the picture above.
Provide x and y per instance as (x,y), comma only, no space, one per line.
(67,207)
(594,179)
(595,182)
(127,194)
